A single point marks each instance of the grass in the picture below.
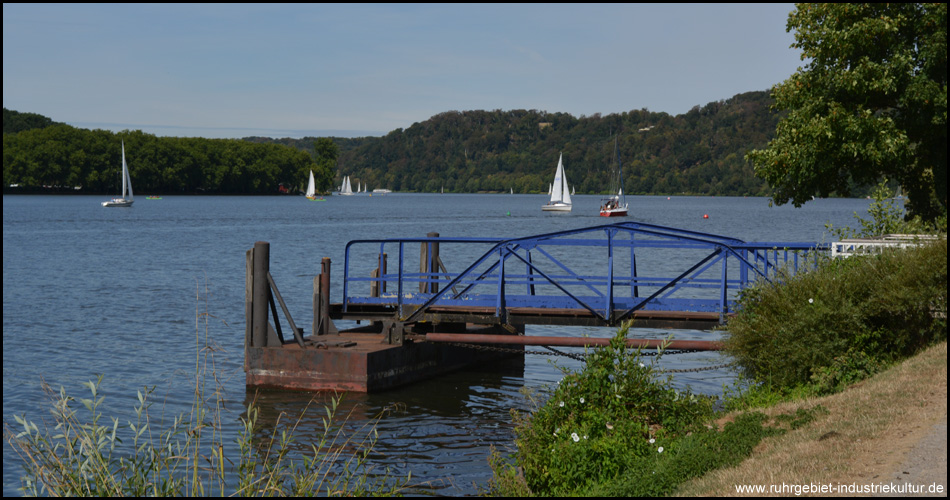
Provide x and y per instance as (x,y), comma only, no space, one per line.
(84,453)
(863,438)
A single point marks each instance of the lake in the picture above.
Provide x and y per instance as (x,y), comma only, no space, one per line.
(89,290)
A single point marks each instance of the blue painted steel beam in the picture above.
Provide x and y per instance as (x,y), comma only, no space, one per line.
(755,261)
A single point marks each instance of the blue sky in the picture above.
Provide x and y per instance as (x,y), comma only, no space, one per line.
(230,71)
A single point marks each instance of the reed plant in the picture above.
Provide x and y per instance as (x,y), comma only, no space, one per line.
(84,453)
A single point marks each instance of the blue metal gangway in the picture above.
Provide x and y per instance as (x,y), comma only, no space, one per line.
(607,272)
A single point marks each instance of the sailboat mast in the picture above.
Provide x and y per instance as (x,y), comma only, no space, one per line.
(623,197)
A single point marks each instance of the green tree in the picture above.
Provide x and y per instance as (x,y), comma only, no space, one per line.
(325,155)
(871,102)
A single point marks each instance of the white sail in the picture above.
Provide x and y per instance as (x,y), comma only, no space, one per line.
(347,189)
(127,196)
(560,193)
(311,187)
(126,180)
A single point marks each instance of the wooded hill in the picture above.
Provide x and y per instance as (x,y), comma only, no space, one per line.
(700,152)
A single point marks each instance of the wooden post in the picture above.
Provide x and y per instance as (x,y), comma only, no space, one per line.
(429,263)
(423,266)
(434,262)
(260,294)
(322,324)
(382,272)
(248,300)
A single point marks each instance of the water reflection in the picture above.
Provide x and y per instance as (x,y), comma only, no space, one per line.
(448,423)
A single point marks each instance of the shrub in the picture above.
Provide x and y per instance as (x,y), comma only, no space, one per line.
(867,310)
(602,421)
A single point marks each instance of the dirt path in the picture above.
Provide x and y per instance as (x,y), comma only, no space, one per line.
(925,465)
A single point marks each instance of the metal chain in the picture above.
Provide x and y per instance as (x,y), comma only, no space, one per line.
(700,369)
(583,357)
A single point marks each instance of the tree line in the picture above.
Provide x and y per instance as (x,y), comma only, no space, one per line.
(64,158)
(700,152)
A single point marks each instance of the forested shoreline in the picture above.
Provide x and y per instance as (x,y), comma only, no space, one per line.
(698,153)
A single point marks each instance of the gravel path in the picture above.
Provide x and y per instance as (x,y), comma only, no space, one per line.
(925,466)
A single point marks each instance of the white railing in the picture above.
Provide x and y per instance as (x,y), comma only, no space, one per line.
(865,246)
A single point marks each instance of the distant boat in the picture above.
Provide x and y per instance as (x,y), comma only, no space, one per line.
(616,205)
(153,197)
(381,191)
(560,195)
(127,196)
(346,189)
(311,188)
(512,190)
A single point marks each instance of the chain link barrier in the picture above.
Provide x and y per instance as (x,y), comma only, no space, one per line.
(583,357)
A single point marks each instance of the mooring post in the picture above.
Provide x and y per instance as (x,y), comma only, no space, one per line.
(434,263)
(382,273)
(260,294)
(429,263)
(423,267)
(322,325)
(248,300)
(378,286)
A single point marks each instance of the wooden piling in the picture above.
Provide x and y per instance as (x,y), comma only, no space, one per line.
(260,294)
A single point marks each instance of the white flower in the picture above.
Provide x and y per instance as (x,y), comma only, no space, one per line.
(642,365)
(610,426)
(659,450)
(585,436)
(561,404)
(652,440)
(811,301)
(575,437)
(582,400)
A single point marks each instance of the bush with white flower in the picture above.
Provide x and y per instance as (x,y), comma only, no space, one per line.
(612,412)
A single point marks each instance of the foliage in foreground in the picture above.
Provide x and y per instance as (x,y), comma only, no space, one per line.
(844,321)
(616,429)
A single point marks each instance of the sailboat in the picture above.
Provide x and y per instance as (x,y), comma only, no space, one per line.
(127,197)
(346,189)
(616,205)
(311,188)
(560,194)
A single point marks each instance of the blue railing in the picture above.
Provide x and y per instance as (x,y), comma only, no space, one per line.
(611,271)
